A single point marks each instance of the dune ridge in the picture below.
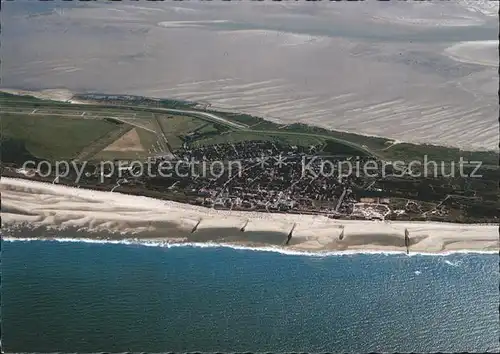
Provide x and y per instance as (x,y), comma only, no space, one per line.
(147,220)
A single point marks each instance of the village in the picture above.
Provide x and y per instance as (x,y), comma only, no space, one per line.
(270,178)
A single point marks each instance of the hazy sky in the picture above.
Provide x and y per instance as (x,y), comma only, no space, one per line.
(391,69)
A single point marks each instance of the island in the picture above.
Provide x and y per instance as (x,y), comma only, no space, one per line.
(160,170)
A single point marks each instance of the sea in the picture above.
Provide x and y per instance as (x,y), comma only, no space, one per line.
(75,296)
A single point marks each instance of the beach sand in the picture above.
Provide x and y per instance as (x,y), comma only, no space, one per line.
(127,217)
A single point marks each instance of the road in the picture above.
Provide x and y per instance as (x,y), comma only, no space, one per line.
(220,120)
(202,115)
(198,114)
(120,119)
(205,115)
(345,142)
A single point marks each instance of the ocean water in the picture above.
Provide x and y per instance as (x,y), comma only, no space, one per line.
(88,297)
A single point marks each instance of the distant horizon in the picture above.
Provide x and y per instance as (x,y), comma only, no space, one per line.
(328,76)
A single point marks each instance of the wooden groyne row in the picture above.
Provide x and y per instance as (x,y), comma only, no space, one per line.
(290,234)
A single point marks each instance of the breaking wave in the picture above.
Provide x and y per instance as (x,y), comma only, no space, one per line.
(281,250)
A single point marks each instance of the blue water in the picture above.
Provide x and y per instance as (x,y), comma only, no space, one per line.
(98,297)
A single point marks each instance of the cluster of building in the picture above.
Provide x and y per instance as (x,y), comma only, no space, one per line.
(271,177)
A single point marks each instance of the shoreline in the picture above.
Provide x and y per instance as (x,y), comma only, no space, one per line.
(280,250)
(147,220)
(67,96)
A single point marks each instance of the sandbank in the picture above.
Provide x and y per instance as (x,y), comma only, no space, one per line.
(475,52)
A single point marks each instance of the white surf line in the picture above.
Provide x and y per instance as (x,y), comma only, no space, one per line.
(130,241)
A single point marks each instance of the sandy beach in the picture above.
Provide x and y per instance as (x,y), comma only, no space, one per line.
(127,217)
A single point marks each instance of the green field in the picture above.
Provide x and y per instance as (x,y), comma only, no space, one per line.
(377,146)
(58,130)
(53,137)
(240,136)
(176,128)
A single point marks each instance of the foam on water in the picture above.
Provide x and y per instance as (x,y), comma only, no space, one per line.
(453,264)
(167,244)
(146,296)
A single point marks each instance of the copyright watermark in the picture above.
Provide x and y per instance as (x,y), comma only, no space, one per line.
(106,170)
(319,167)
(303,166)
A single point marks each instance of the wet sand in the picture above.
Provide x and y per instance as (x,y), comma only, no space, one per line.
(370,69)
